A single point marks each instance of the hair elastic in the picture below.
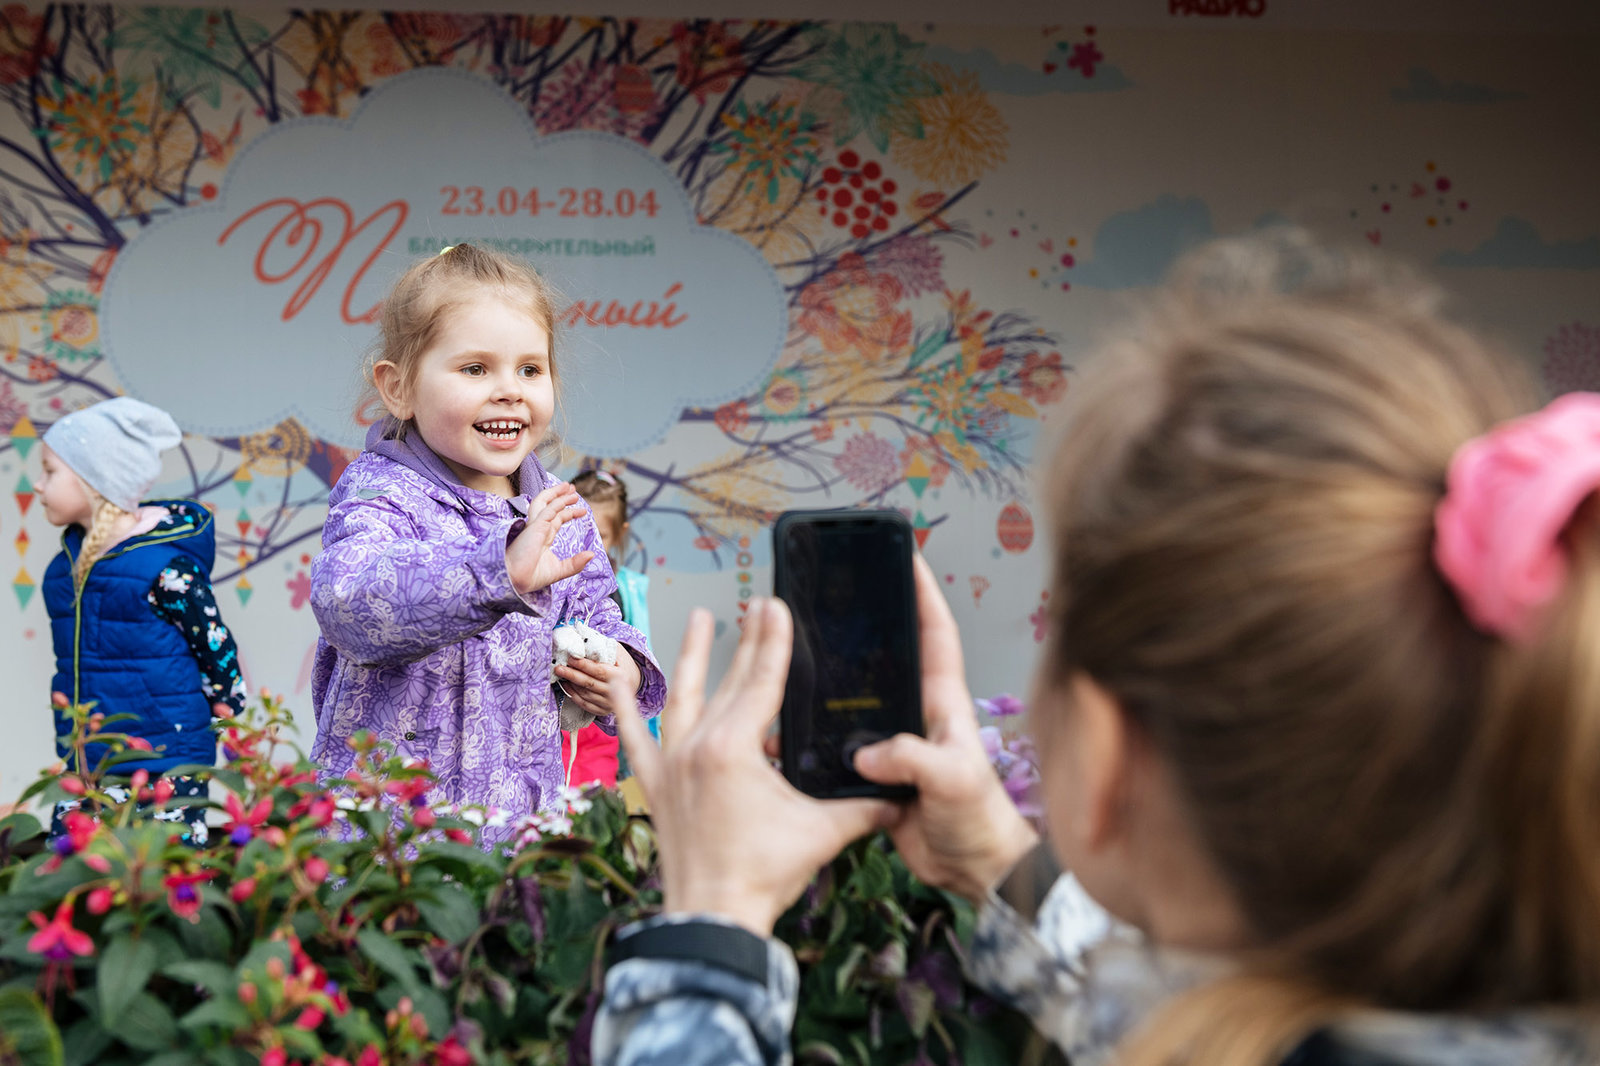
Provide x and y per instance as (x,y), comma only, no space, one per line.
(1510,495)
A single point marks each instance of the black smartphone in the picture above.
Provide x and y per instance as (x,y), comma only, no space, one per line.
(854,677)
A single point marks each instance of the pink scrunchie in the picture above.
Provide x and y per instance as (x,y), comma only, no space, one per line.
(1510,494)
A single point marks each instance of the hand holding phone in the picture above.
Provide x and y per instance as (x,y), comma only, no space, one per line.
(854,676)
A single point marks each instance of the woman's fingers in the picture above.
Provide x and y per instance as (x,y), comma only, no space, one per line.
(946,703)
(900,760)
(686,692)
(644,757)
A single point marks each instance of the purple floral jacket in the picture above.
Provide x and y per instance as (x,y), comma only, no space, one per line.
(426,644)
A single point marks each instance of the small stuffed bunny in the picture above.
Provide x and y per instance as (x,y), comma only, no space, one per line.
(575,640)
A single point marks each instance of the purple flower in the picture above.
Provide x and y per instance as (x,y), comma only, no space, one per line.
(241,835)
(1004,705)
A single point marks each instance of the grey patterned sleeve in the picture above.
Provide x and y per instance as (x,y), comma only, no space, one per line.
(660,1012)
(1082,978)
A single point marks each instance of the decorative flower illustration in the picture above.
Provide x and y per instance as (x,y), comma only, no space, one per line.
(961,134)
(23,44)
(1044,379)
(93,122)
(856,308)
(874,69)
(766,143)
(914,261)
(785,395)
(603,97)
(1086,55)
(71,327)
(709,58)
(868,462)
(194,48)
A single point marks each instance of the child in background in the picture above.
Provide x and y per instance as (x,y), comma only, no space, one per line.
(1318,716)
(132,617)
(450,554)
(591,752)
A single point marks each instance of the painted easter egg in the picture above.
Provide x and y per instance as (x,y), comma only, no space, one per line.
(1015,528)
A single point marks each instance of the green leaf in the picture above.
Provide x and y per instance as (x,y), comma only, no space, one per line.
(147,1025)
(209,974)
(451,913)
(17,827)
(84,1041)
(387,956)
(27,1035)
(464,856)
(223,1012)
(124,969)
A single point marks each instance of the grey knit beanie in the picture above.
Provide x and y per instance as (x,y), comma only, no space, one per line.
(115,447)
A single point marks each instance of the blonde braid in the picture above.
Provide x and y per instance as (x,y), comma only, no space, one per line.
(95,539)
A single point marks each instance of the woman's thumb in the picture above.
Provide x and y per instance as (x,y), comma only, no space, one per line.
(901,760)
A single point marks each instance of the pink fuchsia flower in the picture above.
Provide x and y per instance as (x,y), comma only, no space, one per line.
(316,868)
(243,824)
(138,744)
(424,818)
(183,893)
(320,809)
(99,900)
(370,1056)
(81,829)
(310,1018)
(451,1053)
(56,939)
(164,790)
(274,1056)
(242,890)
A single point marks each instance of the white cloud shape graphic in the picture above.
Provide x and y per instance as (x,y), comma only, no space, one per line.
(258,307)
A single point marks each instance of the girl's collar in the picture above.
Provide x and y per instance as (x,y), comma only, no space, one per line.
(413,452)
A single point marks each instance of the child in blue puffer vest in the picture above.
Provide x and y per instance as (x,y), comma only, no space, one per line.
(135,627)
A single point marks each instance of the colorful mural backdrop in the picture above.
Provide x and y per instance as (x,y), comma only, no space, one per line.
(804,264)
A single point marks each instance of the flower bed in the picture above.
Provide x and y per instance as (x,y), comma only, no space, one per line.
(364,926)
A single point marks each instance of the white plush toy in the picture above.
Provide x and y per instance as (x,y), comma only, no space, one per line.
(575,640)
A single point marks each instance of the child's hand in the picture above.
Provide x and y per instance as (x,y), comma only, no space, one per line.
(529,560)
(588,683)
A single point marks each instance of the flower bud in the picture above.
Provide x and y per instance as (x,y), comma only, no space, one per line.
(72,786)
(316,869)
(275,968)
(242,890)
(163,790)
(99,901)
(247,992)
(139,779)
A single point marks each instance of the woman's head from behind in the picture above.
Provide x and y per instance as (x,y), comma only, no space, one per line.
(466,359)
(1243,510)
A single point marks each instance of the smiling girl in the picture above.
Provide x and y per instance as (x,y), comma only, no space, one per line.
(450,554)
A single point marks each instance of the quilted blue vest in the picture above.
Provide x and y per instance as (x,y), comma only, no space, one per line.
(112,649)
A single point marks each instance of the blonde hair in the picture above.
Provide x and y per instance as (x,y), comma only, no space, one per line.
(432,288)
(103,518)
(1405,809)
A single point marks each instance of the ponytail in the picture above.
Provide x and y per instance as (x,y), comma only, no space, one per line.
(1540,759)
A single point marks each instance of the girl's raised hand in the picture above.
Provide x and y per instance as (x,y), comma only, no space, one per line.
(529,560)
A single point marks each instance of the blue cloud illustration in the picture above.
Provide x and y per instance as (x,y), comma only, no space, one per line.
(274,286)
(1014,79)
(1517,245)
(1425,87)
(1135,248)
